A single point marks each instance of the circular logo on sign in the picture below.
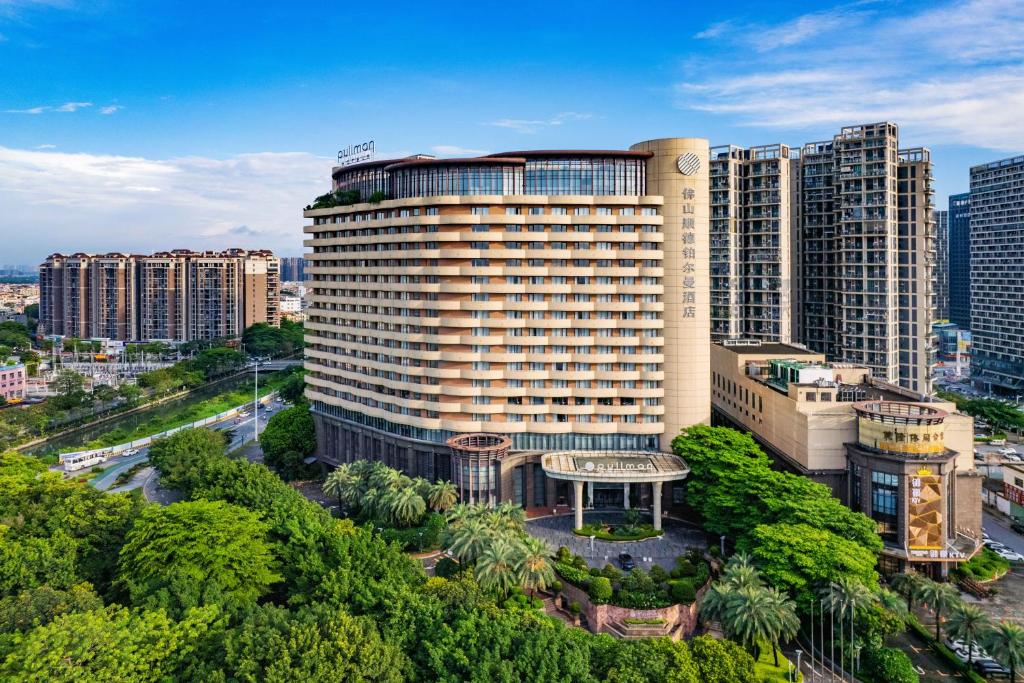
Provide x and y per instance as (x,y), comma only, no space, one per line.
(589,466)
(688,163)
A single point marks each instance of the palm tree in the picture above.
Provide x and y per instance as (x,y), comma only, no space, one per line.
(338,481)
(373,504)
(468,540)
(754,614)
(787,621)
(1005,643)
(893,603)
(967,623)
(442,495)
(741,576)
(534,564)
(716,601)
(907,584)
(383,477)
(512,516)
(845,596)
(740,559)
(422,487)
(496,567)
(939,597)
(406,507)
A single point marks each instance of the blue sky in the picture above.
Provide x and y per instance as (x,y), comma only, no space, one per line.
(137,126)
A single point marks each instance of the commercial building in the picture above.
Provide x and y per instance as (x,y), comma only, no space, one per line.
(940,272)
(905,462)
(997,275)
(832,246)
(960,260)
(175,296)
(495,310)
(12,382)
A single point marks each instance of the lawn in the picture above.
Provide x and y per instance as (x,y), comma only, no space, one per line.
(766,671)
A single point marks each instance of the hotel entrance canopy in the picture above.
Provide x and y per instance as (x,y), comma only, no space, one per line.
(622,467)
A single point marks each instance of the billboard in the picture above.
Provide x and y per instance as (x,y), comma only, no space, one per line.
(924,512)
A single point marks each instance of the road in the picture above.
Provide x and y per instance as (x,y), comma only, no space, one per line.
(999,529)
(243,433)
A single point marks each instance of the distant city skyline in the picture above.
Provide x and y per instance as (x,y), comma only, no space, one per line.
(142,127)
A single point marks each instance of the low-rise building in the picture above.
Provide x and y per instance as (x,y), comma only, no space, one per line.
(903,459)
(12,382)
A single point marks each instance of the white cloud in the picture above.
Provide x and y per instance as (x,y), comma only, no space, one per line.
(534,125)
(32,110)
(456,151)
(95,202)
(952,73)
(110,109)
(72,106)
(716,30)
(46,146)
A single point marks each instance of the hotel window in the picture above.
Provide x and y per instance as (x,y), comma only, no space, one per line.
(536,210)
(512,210)
(481,210)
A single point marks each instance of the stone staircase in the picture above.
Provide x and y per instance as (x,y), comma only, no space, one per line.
(621,629)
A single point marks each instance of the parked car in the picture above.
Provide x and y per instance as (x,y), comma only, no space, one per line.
(1017,526)
(990,667)
(1007,451)
(989,543)
(1007,554)
(626,562)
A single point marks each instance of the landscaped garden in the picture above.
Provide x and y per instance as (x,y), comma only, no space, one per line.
(638,589)
(630,530)
(985,566)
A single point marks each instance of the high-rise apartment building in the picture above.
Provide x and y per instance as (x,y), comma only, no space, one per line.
(997,274)
(960,260)
(916,258)
(177,296)
(494,309)
(752,221)
(831,247)
(293,269)
(940,271)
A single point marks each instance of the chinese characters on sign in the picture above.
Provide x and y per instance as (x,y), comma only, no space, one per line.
(689,239)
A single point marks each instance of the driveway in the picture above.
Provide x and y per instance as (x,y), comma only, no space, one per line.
(998,527)
(678,538)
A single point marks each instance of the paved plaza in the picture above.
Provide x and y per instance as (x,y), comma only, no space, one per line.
(678,537)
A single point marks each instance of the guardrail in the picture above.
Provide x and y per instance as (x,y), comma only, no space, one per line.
(82,459)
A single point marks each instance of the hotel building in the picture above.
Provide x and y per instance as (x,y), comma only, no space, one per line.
(905,462)
(940,273)
(997,275)
(174,296)
(524,324)
(960,260)
(831,246)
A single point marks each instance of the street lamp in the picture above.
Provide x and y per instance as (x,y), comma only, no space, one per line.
(722,542)
(799,652)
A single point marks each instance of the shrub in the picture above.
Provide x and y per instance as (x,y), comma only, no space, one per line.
(580,563)
(640,621)
(890,665)
(574,607)
(600,590)
(446,567)
(659,574)
(611,572)
(563,555)
(594,571)
(573,575)
(377,197)
(684,567)
(684,592)
(556,586)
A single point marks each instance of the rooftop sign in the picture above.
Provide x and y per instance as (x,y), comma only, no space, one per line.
(354,154)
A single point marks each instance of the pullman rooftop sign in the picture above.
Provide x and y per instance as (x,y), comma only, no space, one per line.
(353,154)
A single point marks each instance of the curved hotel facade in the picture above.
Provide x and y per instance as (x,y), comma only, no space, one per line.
(559,299)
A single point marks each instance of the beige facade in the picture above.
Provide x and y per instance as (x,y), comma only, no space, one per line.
(175,296)
(826,420)
(566,307)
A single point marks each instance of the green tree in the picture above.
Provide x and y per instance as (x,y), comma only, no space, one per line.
(339,482)
(70,388)
(797,557)
(106,646)
(442,496)
(1005,642)
(600,590)
(130,393)
(940,598)
(39,606)
(907,584)
(496,567)
(167,564)
(533,565)
(967,623)
(289,431)
(313,644)
(406,507)
(846,596)
(721,661)
(890,665)
(293,389)
(894,604)
(181,456)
